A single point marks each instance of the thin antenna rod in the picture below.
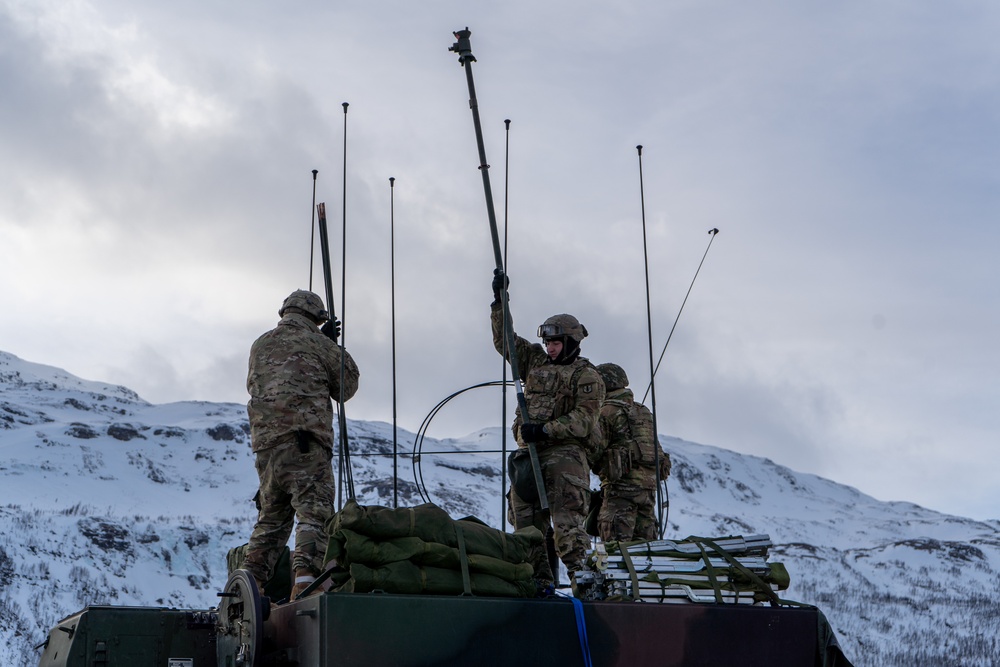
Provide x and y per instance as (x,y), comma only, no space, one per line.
(713,232)
(649,330)
(503,362)
(345,444)
(392,284)
(312,236)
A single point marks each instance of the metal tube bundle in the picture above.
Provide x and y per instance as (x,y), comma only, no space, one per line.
(725,570)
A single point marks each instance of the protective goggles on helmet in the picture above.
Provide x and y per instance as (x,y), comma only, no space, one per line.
(550,331)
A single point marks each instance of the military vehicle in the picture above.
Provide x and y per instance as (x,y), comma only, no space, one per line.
(415,587)
(373,630)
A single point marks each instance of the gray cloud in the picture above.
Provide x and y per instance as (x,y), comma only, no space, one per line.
(156,159)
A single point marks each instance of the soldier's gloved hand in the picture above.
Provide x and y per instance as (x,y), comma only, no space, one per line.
(665,465)
(533,433)
(500,283)
(331,329)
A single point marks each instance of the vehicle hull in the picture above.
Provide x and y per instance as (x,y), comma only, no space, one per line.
(371,630)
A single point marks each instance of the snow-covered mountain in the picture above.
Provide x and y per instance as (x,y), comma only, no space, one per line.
(108,499)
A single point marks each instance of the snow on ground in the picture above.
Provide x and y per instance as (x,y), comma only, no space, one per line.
(107,499)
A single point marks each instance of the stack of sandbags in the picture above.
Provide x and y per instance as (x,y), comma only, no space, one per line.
(423,550)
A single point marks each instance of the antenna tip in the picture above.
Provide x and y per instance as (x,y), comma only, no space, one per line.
(345,107)
(315,171)
(713,230)
(392,181)
(639,148)
(507,122)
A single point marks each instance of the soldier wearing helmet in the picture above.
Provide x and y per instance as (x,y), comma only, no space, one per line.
(294,371)
(563,393)
(630,466)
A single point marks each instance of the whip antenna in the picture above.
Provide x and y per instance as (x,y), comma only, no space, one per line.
(713,232)
(345,443)
(312,232)
(392,291)
(463,47)
(649,329)
(503,363)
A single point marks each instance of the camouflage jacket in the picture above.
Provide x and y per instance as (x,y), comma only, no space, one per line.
(294,372)
(565,397)
(630,454)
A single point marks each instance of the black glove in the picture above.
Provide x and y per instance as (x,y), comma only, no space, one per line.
(500,282)
(665,465)
(331,329)
(533,432)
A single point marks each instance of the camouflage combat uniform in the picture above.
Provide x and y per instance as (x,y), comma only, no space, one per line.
(628,469)
(294,372)
(566,398)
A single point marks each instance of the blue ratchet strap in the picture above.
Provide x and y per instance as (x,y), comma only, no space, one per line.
(581,629)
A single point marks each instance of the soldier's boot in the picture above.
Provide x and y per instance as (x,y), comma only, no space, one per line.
(542,571)
(303,578)
(255,563)
(572,569)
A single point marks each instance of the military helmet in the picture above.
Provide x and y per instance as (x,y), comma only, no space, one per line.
(613,375)
(562,325)
(307,302)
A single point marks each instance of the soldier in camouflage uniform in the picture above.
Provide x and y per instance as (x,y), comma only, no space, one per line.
(294,372)
(628,466)
(563,392)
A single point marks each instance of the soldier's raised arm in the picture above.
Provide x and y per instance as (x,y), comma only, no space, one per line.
(528,353)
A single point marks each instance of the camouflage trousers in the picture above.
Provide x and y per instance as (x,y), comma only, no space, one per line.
(567,486)
(627,513)
(296,488)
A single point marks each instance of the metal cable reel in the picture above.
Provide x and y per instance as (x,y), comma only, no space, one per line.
(418,441)
(240,628)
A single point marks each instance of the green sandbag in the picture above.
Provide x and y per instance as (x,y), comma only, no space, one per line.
(356,548)
(431,524)
(404,577)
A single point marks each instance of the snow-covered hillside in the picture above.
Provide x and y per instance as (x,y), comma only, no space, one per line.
(109,499)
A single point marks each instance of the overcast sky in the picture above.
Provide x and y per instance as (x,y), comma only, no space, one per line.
(156,200)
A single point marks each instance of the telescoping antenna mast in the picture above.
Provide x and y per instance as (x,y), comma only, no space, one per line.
(328,284)
(463,47)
